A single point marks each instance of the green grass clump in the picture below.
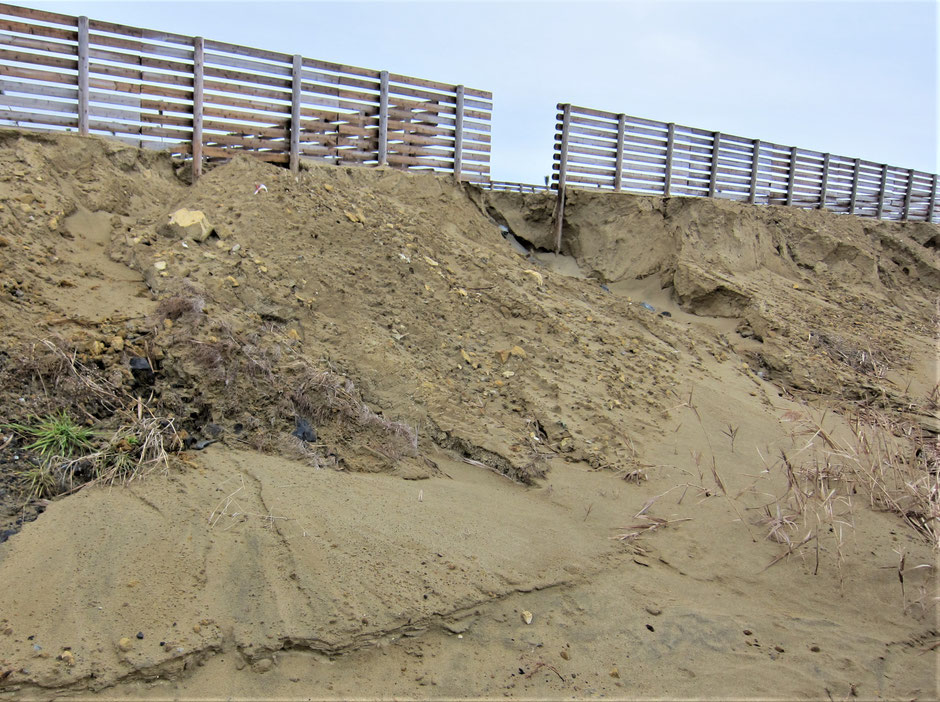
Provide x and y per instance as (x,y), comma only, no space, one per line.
(55,435)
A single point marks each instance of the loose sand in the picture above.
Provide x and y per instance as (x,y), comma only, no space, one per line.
(632,481)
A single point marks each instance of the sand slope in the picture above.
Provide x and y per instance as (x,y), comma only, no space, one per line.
(552,413)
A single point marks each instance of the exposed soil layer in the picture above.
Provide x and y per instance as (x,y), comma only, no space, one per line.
(407,458)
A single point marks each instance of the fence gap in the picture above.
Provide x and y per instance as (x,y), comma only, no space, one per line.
(199,60)
(83,70)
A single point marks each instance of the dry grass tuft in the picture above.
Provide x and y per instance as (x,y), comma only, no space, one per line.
(864,360)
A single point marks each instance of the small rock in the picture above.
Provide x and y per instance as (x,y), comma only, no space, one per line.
(117,343)
(614,673)
(303,430)
(263,665)
(196,628)
(565,655)
(655,611)
(527,616)
(140,634)
(125,644)
(187,223)
(159,265)
(67,657)
(141,370)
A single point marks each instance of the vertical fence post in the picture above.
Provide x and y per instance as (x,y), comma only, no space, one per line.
(825,183)
(618,161)
(791,175)
(670,144)
(881,190)
(853,198)
(199,60)
(933,198)
(713,176)
(562,173)
(83,68)
(752,196)
(383,119)
(909,196)
(458,135)
(295,81)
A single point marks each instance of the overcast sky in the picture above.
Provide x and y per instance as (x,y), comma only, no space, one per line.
(853,78)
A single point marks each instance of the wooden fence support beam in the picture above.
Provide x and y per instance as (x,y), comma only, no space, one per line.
(791,174)
(458,135)
(295,84)
(83,69)
(909,196)
(881,190)
(931,207)
(825,183)
(670,145)
(854,196)
(618,159)
(562,172)
(199,64)
(383,119)
(713,176)
(752,196)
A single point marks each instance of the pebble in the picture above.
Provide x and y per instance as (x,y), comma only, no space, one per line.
(263,665)
(655,611)
(67,657)
(125,644)
(140,634)
(160,265)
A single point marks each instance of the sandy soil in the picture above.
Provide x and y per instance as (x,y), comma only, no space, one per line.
(632,470)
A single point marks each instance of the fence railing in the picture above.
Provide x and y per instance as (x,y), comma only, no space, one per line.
(212,99)
(615,151)
(511,186)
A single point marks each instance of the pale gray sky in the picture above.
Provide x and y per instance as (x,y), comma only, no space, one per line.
(853,78)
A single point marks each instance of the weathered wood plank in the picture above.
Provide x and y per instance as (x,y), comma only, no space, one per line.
(716,150)
(54,47)
(33,118)
(38,75)
(38,30)
(38,59)
(38,15)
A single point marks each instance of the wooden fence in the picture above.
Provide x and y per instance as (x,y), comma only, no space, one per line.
(212,99)
(512,186)
(615,151)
